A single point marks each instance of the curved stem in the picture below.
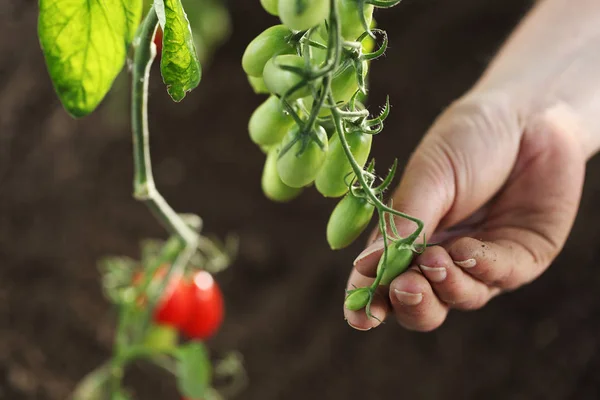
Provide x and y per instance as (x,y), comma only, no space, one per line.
(144,188)
(186,240)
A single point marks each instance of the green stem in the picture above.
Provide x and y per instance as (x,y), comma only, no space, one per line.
(144,186)
(336,44)
(144,189)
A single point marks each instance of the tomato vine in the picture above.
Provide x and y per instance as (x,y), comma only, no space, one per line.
(170,291)
(310,92)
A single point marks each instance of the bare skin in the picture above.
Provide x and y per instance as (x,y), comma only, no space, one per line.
(499,175)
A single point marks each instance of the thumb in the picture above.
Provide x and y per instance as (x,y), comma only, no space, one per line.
(462,161)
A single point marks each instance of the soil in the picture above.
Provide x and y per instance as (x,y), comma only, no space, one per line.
(66,201)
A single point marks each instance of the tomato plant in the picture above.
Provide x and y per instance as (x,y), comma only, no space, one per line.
(322,87)
(164,316)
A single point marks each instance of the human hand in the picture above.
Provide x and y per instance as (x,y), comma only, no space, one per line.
(499,175)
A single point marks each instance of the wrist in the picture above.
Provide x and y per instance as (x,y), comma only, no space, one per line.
(550,64)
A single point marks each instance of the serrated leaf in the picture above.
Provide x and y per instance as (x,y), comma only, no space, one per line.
(179,64)
(85,45)
(193,370)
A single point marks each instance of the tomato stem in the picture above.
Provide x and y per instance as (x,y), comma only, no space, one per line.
(144,186)
(336,114)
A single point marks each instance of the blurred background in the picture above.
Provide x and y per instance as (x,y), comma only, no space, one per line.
(65,201)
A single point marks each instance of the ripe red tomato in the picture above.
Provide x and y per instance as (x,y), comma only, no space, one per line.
(207,307)
(174,306)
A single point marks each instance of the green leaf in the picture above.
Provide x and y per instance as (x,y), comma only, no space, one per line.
(85,44)
(193,370)
(179,62)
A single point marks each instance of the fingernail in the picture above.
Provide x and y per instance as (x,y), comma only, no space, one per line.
(408,299)
(434,274)
(357,328)
(372,248)
(468,263)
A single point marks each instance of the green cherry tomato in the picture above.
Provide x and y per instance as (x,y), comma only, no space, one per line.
(299,167)
(270,6)
(357,299)
(331,180)
(271,42)
(301,15)
(345,82)
(269,123)
(398,261)
(258,84)
(348,220)
(272,185)
(280,81)
(343,86)
(350,20)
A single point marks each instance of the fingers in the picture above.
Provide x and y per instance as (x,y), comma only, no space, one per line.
(415,304)
(452,281)
(460,164)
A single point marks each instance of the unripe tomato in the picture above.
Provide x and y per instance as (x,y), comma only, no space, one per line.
(273,41)
(398,261)
(270,6)
(207,307)
(280,81)
(301,15)
(348,220)
(350,20)
(343,86)
(272,185)
(269,123)
(358,299)
(299,170)
(173,307)
(258,84)
(331,180)
(345,82)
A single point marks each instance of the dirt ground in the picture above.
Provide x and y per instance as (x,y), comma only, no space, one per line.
(65,201)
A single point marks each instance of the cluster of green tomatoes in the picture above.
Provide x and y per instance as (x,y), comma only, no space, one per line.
(313,126)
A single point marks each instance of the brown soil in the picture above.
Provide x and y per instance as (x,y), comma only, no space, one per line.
(65,202)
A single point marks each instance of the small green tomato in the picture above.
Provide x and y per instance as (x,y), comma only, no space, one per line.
(272,185)
(357,299)
(271,42)
(269,123)
(331,181)
(348,220)
(399,258)
(280,81)
(270,6)
(299,166)
(301,15)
